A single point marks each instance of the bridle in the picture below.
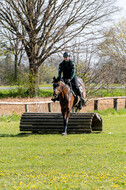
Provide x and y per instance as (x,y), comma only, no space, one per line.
(59,88)
(56,88)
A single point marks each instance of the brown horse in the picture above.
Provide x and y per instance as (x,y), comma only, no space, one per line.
(66,98)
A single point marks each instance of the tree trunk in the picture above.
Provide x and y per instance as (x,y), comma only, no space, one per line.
(33,80)
(15,68)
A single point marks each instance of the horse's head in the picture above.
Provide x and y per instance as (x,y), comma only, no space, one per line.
(56,86)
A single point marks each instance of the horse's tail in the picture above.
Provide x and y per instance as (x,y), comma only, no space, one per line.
(81,83)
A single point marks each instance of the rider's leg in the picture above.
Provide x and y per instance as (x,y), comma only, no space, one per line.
(75,82)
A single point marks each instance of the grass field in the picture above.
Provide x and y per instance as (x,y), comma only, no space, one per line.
(111,93)
(78,162)
(22,92)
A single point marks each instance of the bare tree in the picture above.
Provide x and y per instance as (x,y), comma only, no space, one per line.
(113,52)
(41,24)
(13,46)
(17,49)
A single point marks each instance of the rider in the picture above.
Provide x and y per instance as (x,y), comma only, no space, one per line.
(67,68)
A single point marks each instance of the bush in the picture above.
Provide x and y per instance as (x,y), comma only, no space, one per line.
(9,118)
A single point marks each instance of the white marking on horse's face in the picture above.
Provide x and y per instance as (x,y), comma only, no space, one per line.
(56,89)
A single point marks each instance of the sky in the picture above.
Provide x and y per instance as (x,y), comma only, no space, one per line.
(121,4)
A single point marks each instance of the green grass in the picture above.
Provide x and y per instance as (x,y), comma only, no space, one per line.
(78,162)
(45,93)
(111,111)
(46,85)
(111,93)
(9,118)
(22,93)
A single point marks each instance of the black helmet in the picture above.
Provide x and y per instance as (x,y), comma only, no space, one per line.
(65,55)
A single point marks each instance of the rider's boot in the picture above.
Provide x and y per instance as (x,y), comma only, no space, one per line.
(55,99)
(83,101)
(80,105)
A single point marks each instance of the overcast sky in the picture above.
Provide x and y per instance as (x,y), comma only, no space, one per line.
(121,4)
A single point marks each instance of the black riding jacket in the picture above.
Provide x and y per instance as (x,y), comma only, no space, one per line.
(67,68)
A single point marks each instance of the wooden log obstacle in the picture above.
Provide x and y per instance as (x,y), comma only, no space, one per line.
(53,122)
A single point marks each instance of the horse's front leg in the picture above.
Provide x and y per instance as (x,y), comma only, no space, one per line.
(65,122)
(66,115)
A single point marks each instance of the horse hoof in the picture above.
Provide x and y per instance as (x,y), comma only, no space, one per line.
(64,134)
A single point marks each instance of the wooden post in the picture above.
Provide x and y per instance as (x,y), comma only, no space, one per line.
(49,107)
(125,103)
(96,105)
(115,103)
(26,108)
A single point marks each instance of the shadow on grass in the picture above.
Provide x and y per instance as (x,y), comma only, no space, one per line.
(29,134)
(16,135)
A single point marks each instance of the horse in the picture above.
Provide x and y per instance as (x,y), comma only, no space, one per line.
(66,98)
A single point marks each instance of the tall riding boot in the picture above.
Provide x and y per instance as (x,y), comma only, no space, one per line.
(82,100)
(55,99)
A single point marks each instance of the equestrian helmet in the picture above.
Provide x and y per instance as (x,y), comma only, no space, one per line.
(65,55)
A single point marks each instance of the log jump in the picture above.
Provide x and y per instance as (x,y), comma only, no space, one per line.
(52,123)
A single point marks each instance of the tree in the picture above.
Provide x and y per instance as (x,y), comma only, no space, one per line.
(42,24)
(12,45)
(3,49)
(6,71)
(16,48)
(89,71)
(113,53)
(46,73)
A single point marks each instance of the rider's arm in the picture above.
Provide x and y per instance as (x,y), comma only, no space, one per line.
(73,71)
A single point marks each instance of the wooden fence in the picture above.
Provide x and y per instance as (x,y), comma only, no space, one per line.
(95,102)
(115,102)
(26,104)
